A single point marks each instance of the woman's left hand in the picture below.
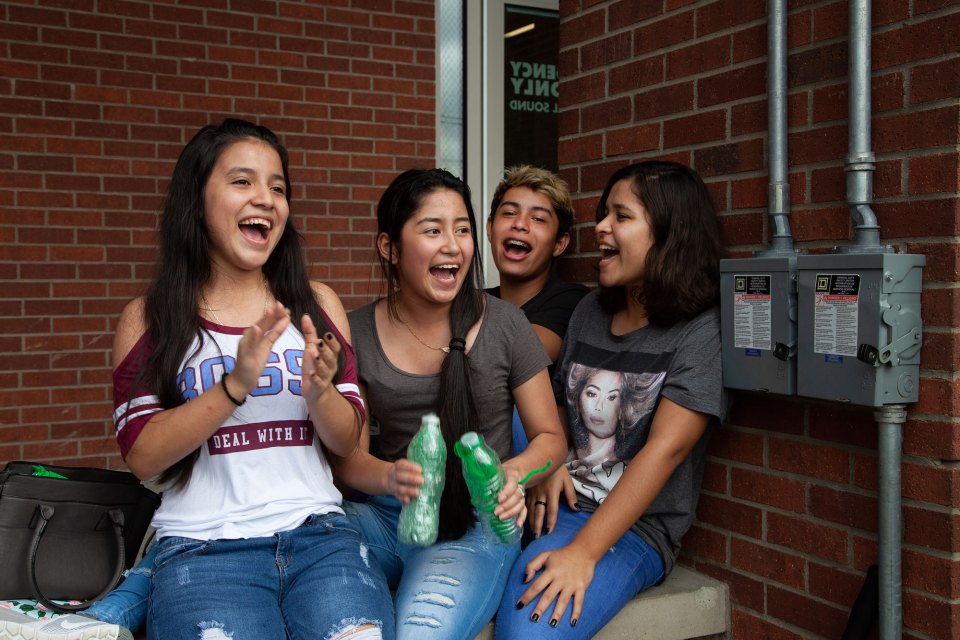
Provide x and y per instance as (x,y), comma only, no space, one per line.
(512,498)
(319,361)
(567,572)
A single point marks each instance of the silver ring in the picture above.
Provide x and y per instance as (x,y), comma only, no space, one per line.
(543,502)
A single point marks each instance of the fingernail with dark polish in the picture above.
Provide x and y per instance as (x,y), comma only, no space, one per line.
(573,622)
(535,617)
(328,336)
(553,622)
(520,604)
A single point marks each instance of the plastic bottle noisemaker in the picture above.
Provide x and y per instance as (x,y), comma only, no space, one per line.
(420,518)
(485,478)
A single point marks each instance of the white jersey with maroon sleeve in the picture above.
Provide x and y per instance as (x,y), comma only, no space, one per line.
(263,471)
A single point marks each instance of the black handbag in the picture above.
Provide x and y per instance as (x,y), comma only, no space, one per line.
(69,537)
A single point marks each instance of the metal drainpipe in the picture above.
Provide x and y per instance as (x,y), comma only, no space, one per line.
(778,189)
(890,419)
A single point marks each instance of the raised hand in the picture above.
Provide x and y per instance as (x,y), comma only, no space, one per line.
(255,347)
(319,361)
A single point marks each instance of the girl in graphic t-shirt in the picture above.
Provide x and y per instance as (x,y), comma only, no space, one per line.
(638,383)
(235,408)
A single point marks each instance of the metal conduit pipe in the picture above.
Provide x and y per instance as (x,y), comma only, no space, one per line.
(890,420)
(778,189)
(859,163)
(859,166)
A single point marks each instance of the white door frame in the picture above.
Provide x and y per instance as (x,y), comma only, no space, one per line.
(484,108)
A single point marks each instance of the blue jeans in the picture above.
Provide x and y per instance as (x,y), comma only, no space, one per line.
(628,568)
(315,581)
(448,590)
(518,434)
(127,604)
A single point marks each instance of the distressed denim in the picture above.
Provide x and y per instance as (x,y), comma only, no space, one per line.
(630,566)
(127,604)
(317,581)
(449,590)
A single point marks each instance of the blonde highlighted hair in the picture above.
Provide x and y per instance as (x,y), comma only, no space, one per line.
(540,181)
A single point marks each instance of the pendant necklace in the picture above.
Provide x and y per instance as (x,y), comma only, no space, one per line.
(444,349)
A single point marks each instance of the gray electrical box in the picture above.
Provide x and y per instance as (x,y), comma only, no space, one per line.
(758,323)
(859,327)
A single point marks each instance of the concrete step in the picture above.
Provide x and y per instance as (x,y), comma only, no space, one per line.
(687,605)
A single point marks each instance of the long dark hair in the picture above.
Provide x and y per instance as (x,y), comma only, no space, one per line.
(183,267)
(681,278)
(455,406)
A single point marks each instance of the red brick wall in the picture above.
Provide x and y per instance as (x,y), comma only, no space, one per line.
(789,509)
(97,99)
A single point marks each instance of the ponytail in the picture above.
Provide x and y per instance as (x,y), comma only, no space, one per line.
(458,413)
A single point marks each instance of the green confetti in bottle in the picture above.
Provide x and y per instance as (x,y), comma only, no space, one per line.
(420,518)
(485,478)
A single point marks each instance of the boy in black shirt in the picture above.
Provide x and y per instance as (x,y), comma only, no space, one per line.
(528,227)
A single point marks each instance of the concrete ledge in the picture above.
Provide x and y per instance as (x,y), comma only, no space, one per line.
(687,605)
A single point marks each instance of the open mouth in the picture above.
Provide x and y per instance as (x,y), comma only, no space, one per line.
(256,229)
(445,272)
(516,249)
(606,251)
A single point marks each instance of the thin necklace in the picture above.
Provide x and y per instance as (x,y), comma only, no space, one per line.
(444,349)
(206,306)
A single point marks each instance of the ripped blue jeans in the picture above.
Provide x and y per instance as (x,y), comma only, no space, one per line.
(315,582)
(448,590)
(127,604)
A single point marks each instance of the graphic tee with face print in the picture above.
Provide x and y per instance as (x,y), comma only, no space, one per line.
(611,386)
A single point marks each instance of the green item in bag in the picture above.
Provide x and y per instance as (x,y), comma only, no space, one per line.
(40,470)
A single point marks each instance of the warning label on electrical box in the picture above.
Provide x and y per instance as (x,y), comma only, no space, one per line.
(836,297)
(751,312)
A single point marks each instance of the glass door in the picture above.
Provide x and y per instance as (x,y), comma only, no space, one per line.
(511,96)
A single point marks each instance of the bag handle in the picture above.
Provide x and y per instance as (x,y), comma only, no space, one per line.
(46,513)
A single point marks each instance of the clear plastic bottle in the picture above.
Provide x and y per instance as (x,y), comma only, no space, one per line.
(420,518)
(484,477)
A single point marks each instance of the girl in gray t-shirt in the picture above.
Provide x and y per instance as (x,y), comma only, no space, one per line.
(437,343)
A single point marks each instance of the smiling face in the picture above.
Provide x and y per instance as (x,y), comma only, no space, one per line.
(435,249)
(600,403)
(245,207)
(624,237)
(523,235)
